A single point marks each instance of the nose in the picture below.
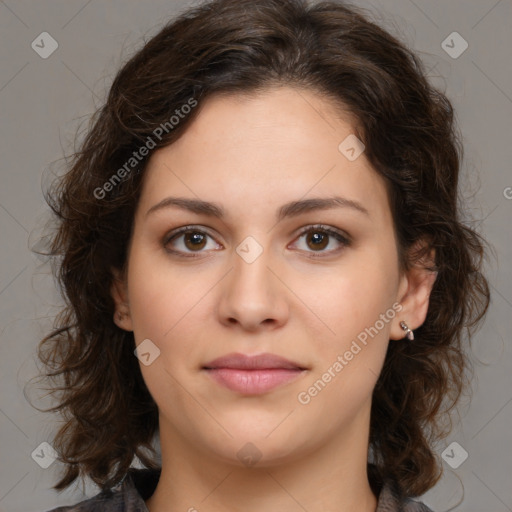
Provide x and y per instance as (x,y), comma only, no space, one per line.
(253,297)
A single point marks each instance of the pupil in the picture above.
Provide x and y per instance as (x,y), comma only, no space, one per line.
(319,240)
(196,239)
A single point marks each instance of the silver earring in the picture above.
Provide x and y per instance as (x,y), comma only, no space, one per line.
(408,333)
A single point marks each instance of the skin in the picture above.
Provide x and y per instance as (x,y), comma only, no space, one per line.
(251,155)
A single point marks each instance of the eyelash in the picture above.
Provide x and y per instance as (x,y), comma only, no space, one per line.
(343,239)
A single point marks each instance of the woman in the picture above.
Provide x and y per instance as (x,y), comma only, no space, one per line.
(263,264)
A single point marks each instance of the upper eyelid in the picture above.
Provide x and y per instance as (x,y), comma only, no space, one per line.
(183,229)
(301,230)
(323,227)
(331,230)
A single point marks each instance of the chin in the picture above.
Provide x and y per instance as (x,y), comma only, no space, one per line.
(261,444)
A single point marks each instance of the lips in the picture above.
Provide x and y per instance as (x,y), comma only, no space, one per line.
(253,375)
(256,362)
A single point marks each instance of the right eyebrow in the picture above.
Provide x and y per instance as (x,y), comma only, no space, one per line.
(290,209)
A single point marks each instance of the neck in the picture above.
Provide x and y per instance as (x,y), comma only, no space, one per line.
(329,477)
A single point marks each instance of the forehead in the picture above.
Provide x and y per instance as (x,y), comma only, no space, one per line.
(280,144)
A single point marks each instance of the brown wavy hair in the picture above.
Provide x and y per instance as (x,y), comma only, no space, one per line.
(409,130)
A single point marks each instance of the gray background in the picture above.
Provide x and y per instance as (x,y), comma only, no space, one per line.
(42,102)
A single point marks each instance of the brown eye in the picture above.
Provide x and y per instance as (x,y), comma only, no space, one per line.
(194,240)
(187,241)
(318,238)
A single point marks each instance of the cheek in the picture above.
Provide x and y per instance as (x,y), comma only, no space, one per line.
(163,302)
(162,295)
(356,309)
(351,298)
(348,361)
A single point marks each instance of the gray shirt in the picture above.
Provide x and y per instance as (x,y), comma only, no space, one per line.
(139,484)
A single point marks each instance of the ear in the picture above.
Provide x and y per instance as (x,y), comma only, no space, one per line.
(414,291)
(119,293)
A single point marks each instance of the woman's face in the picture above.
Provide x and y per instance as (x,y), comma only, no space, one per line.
(263,278)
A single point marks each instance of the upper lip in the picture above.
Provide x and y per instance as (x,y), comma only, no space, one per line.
(253,362)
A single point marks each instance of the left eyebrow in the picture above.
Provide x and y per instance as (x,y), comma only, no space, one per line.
(295,208)
(291,209)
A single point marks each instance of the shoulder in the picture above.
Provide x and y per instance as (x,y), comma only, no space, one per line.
(390,501)
(105,501)
(139,484)
(390,498)
(128,496)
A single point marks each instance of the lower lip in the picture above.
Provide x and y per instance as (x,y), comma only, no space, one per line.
(253,382)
